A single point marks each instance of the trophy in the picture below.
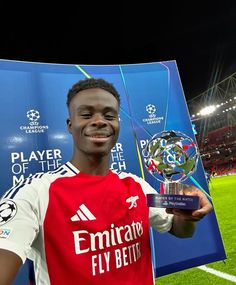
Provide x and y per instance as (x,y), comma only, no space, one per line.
(171,157)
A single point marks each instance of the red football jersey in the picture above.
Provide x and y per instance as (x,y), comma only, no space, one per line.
(82,229)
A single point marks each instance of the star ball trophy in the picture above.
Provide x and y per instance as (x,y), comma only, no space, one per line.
(171,157)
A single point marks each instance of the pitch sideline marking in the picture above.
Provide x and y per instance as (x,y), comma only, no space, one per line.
(223,275)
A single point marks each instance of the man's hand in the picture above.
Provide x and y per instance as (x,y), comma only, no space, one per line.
(183,225)
(10,263)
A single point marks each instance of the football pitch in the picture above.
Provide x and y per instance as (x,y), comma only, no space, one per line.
(223,193)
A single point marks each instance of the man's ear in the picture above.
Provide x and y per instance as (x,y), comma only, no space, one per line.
(68,122)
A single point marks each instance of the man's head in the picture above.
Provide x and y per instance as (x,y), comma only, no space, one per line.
(89,83)
(93,117)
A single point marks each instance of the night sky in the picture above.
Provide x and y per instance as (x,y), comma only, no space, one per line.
(200,37)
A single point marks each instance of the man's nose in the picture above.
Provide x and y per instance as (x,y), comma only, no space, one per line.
(99,120)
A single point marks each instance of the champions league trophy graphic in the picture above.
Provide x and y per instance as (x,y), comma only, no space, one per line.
(171,157)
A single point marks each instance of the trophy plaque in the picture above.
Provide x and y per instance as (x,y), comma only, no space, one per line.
(171,157)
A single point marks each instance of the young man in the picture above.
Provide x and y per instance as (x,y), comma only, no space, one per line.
(84,223)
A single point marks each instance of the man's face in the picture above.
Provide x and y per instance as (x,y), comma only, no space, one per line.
(94,122)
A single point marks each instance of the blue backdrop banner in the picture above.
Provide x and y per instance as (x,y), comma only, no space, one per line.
(34,137)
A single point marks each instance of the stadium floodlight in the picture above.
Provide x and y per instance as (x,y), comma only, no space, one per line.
(207,110)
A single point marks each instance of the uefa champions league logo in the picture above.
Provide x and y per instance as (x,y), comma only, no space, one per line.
(151,109)
(33,126)
(33,115)
(8,210)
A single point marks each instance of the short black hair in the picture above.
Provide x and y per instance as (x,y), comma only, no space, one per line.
(90,83)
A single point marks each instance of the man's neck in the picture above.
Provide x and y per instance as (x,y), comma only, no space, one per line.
(92,165)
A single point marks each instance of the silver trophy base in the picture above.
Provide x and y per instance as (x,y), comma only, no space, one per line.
(173,197)
(173,188)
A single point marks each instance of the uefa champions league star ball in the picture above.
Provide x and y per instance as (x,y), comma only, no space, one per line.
(33,115)
(151,109)
(8,210)
(171,156)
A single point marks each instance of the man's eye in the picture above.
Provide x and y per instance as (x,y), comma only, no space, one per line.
(110,117)
(86,115)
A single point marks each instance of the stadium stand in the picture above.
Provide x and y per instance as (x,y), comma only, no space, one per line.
(218,151)
(216,130)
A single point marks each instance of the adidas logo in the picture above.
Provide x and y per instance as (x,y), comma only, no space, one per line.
(83,214)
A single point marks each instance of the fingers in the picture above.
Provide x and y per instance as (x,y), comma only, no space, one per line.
(203,211)
(191,215)
(205,207)
(184,214)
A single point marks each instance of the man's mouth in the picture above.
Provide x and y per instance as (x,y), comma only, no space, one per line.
(98,137)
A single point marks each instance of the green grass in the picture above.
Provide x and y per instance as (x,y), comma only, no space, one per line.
(223,193)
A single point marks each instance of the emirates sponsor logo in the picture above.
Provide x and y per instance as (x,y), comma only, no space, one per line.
(104,243)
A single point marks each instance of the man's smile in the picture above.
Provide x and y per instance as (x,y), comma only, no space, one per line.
(98,137)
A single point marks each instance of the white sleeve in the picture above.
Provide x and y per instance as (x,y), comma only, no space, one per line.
(158,218)
(19,220)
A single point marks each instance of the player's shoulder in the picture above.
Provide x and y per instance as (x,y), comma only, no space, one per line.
(65,170)
(62,171)
(131,176)
(40,180)
(147,188)
(123,175)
